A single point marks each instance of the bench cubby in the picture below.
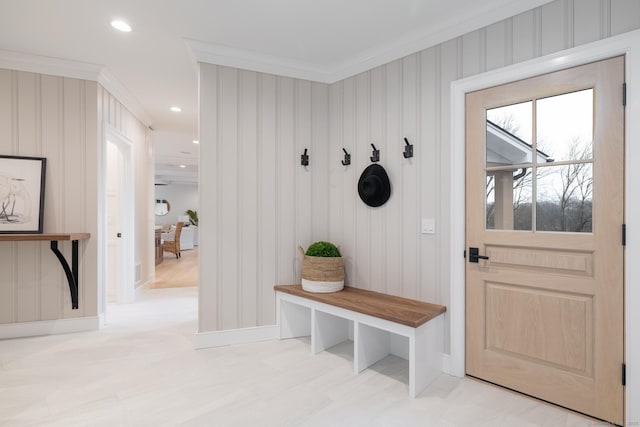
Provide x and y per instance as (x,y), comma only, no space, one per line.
(410,329)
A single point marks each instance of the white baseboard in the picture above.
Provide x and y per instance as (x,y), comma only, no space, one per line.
(449,366)
(235,336)
(445,366)
(49,327)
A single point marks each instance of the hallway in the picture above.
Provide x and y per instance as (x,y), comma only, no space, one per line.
(177,273)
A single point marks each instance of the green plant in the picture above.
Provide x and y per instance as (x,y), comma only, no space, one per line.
(323,249)
(193,217)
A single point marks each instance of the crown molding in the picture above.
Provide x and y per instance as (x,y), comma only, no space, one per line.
(20,61)
(39,64)
(210,53)
(419,41)
(124,95)
(245,59)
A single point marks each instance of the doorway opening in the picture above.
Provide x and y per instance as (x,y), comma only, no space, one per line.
(119,214)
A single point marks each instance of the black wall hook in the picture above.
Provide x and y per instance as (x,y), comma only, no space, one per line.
(347,158)
(304,159)
(408,149)
(376,154)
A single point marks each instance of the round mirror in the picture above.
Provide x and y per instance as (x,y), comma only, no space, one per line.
(162,207)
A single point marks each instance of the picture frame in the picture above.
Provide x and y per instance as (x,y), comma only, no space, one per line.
(22,182)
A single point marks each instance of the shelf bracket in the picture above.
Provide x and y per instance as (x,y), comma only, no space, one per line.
(72,273)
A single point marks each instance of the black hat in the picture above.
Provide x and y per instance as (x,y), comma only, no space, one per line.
(374,186)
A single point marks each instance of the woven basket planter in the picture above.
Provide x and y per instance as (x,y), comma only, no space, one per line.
(322,274)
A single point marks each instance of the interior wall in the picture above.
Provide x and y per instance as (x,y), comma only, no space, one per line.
(410,97)
(52,117)
(113,113)
(62,119)
(180,197)
(256,200)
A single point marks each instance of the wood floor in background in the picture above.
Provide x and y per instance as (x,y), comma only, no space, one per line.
(174,273)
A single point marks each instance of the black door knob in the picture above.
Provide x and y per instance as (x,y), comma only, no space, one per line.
(474,255)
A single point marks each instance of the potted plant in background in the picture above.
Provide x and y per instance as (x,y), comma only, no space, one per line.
(322,268)
(193,217)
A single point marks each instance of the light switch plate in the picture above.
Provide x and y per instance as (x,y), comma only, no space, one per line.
(428,226)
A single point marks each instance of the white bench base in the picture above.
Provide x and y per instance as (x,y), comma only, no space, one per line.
(373,338)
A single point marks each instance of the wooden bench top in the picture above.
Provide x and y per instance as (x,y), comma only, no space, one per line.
(396,309)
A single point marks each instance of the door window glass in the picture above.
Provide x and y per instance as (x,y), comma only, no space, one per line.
(508,200)
(564,126)
(564,198)
(509,134)
(556,171)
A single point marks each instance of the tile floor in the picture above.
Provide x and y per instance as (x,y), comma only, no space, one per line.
(142,370)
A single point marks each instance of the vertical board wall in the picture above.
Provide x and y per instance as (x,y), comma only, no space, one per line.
(52,117)
(264,201)
(410,98)
(113,113)
(61,119)
(258,201)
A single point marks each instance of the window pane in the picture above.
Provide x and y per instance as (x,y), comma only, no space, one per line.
(508,200)
(509,134)
(564,198)
(565,127)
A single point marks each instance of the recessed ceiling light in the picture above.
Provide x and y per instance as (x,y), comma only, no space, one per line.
(175,109)
(183,166)
(195,141)
(120,25)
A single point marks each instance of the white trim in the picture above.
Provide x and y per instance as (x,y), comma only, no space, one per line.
(234,336)
(49,65)
(446,31)
(445,364)
(20,61)
(465,22)
(628,44)
(124,95)
(210,53)
(126,288)
(49,327)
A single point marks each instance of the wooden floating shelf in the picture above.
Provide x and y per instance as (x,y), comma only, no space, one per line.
(54,238)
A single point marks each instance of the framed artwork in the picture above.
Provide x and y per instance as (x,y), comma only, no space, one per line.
(21,194)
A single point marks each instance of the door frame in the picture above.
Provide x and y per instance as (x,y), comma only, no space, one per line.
(627,44)
(126,289)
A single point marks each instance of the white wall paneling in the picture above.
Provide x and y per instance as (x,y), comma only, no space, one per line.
(383,247)
(259,200)
(59,118)
(112,114)
(50,117)
(409,97)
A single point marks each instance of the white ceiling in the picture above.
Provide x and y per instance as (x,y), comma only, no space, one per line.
(322,40)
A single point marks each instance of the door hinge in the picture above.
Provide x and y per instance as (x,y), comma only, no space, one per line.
(624,94)
(624,374)
(465,254)
(624,234)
